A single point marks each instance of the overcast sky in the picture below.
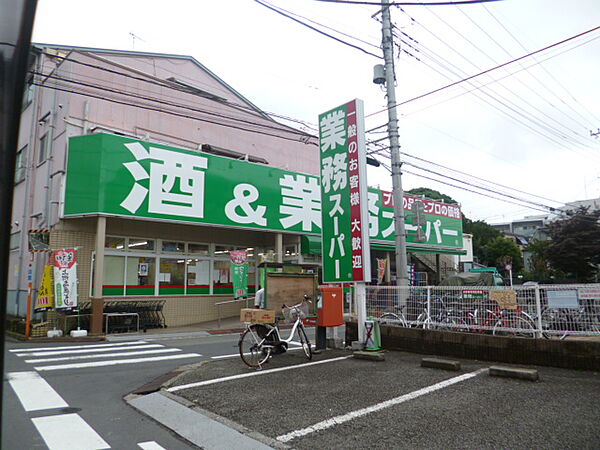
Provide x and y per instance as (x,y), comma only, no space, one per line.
(528,128)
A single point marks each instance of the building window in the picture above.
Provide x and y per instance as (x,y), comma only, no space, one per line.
(44,145)
(171,278)
(20,164)
(140,275)
(221,277)
(114,274)
(15,240)
(114,242)
(198,249)
(175,247)
(28,90)
(198,276)
(140,244)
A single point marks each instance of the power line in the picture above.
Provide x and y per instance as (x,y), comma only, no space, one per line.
(172,86)
(493,60)
(317,30)
(465,189)
(474,185)
(486,71)
(155,100)
(459,2)
(173,113)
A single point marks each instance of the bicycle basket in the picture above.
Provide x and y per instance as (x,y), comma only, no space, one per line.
(291,313)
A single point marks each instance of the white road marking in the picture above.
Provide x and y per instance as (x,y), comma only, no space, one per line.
(104,355)
(68,432)
(150,445)
(254,374)
(93,350)
(379,406)
(114,362)
(70,347)
(233,355)
(34,392)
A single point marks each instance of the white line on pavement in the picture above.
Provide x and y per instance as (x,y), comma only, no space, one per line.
(93,350)
(68,431)
(34,392)
(104,355)
(379,406)
(237,354)
(253,374)
(114,362)
(150,445)
(36,349)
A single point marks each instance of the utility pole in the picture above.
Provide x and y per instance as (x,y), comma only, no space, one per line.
(398,193)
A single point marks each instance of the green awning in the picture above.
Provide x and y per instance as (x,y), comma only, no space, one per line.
(311,245)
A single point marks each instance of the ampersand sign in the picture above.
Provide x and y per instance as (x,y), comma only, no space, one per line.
(244,195)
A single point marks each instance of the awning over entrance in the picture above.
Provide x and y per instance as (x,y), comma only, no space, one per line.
(311,245)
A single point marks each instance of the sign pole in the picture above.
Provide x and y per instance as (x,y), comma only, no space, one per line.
(29,296)
(398,194)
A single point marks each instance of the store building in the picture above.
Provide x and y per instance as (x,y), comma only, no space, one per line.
(154,169)
(167,100)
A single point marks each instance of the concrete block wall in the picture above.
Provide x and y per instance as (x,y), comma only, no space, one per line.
(569,354)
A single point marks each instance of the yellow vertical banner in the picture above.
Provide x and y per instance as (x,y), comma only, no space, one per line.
(45,298)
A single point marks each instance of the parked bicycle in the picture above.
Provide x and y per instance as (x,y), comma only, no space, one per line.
(259,342)
(561,322)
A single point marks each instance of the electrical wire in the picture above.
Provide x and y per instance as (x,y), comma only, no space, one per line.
(172,86)
(168,103)
(443,3)
(317,30)
(426,94)
(150,108)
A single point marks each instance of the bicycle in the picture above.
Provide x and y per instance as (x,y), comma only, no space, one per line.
(259,342)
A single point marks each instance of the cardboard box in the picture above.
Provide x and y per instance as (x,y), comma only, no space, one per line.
(257,315)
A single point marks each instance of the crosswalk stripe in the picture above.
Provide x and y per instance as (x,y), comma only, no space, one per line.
(35,394)
(114,362)
(71,347)
(79,435)
(92,350)
(151,445)
(104,355)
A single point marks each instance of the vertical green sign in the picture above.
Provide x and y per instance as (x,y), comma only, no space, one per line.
(239,273)
(344,205)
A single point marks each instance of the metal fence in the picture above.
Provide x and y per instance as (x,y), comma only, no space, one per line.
(549,311)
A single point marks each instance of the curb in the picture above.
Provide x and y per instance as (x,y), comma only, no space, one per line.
(437,363)
(512,372)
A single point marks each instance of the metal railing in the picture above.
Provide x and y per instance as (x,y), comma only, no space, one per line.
(219,304)
(526,311)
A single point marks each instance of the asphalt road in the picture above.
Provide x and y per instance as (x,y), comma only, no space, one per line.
(333,404)
(96,393)
(480,412)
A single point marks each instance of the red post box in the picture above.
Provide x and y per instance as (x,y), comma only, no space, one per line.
(330,312)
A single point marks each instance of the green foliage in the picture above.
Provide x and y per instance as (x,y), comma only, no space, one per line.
(501,251)
(432,194)
(482,233)
(539,259)
(575,245)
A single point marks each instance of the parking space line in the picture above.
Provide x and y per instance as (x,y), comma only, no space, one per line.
(253,374)
(233,355)
(337,420)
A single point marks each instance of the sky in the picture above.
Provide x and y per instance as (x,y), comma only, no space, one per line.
(523,129)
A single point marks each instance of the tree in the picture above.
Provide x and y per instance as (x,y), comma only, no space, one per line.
(432,194)
(483,234)
(575,244)
(538,260)
(500,251)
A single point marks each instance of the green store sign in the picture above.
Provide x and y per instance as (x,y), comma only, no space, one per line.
(120,176)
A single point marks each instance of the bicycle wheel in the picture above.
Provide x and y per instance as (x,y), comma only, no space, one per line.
(518,326)
(390,318)
(554,324)
(305,343)
(252,350)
